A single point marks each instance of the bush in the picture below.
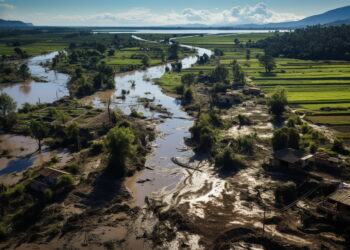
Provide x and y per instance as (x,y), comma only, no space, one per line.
(244,120)
(73,168)
(313,148)
(66,182)
(338,146)
(136,114)
(188,95)
(245,144)
(48,194)
(228,160)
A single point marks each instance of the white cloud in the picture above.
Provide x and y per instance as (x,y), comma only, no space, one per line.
(7,6)
(258,13)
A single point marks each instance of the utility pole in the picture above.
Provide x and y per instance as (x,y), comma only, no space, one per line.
(264,220)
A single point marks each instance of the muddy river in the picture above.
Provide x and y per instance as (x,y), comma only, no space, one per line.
(52,87)
(172,130)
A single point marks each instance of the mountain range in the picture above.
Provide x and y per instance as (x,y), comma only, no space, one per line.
(6,23)
(332,17)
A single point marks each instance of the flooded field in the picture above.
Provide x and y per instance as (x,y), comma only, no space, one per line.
(52,87)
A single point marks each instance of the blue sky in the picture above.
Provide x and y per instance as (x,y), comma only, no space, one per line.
(161,12)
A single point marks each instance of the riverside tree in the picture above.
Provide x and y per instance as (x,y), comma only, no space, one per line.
(39,131)
(23,72)
(174,51)
(7,104)
(146,61)
(120,144)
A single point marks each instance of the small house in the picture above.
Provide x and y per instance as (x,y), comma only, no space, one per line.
(324,159)
(252,91)
(291,158)
(47,178)
(338,203)
(203,77)
(228,98)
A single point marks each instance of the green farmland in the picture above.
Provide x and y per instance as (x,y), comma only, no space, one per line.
(321,89)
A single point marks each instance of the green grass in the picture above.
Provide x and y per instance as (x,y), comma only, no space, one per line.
(169,82)
(311,85)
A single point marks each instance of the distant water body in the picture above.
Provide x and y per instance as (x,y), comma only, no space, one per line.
(180,31)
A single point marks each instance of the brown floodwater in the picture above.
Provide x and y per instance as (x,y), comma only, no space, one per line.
(53,87)
(160,173)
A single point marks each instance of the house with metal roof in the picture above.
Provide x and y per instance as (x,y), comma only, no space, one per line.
(292,158)
(47,178)
(338,203)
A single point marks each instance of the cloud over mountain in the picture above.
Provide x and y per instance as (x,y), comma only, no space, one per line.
(258,13)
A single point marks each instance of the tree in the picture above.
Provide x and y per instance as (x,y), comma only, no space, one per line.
(188,79)
(23,72)
(146,61)
(280,139)
(72,132)
(7,104)
(188,95)
(293,138)
(285,138)
(101,47)
(173,51)
(268,62)
(278,101)
(111,52)
(247,55)
(220,73)
(39,131)
(120,144)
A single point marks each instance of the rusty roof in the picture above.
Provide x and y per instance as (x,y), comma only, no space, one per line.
(51,172)
(342,196)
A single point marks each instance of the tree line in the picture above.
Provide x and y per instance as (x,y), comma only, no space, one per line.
(311,43)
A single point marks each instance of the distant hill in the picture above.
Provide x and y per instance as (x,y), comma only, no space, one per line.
(6,23)
(340,22)
(336,16)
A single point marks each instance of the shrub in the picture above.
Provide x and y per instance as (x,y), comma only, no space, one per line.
(313,148)
(188,94)
(244,120)
(305,128)
(245,144)
(338,146)
(48,194)
(228,160)
(66,182)
(136,114)
(73,167)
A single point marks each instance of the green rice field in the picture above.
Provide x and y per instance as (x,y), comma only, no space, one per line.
(319,88)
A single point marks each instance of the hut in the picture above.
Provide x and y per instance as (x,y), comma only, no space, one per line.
(291,158)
